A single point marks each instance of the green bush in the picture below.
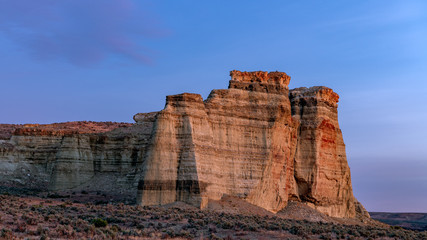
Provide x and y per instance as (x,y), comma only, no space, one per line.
(99,222)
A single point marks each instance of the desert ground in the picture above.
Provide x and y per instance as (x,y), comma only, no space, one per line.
(29,215)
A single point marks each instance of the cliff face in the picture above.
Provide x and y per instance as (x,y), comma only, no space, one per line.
(237,142)
(321,171)
(74,156)
(256,140)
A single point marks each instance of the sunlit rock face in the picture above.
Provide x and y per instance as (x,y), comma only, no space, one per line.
(321,170)
(256,140)
(237,142)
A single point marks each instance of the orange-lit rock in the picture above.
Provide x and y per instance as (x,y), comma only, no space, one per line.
(259,81)
(256,140)
(321,171)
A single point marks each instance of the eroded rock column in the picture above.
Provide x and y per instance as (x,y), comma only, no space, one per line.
(321,170)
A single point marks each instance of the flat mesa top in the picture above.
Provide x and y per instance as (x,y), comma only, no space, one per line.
(261,76)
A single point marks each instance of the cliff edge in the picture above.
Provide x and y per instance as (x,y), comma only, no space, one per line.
(257,141)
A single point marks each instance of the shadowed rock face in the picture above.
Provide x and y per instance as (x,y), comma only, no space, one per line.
(75,156)
(256,140)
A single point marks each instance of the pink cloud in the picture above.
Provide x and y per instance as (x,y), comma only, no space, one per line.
(79,31)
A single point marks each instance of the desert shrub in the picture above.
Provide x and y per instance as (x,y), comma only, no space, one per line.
(29,220)
(364,233)
(56,195)
(64,221)
(21,227)
(250,227)
(159,226)
(226,225)
(36,207)
(212,229)
(318,230)
(114,220)
(286,226)
(297,230)
(273,226)
(353,232)
(6,233)
(185,234)
(64,231)
(391,234)
(326,236)
(99,222)
(337,230)
(381,233)
(40,230)
(115,228)
(74,209)
(101,202)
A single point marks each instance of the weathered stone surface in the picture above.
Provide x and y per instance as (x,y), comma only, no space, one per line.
(257,141)
(142,118)
(219,148)
(77,155)
(361,212)
(273,82)
(321,170)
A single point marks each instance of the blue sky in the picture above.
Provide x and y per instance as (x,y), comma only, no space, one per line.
(108,59)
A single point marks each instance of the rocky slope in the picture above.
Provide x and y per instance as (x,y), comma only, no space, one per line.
(257,141)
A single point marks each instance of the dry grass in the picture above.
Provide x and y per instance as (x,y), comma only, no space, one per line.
(43,218)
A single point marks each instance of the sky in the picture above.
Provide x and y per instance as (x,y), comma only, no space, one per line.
(105,60)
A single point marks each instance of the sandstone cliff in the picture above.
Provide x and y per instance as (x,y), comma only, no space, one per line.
(75,155)
(321,171)
(256,140)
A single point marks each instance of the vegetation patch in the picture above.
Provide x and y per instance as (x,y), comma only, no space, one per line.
(35,218)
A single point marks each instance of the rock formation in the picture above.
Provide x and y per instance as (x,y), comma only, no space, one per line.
(75,155)
(256,140)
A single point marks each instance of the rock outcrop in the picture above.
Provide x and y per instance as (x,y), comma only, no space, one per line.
(105,157)
(321,171)
(257,141)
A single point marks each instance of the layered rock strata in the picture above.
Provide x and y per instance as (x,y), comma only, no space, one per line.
(321,170)
(256,140)
(105,157)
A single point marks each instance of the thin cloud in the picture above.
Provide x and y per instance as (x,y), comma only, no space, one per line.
(397,13)
(79,31)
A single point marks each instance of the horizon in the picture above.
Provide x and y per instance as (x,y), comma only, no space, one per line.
(108,60)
